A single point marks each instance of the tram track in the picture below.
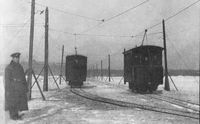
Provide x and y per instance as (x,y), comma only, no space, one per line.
(84,94)
(194,107)
(183,104)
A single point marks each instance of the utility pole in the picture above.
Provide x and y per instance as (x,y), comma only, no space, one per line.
(61,66)
(101,70)
(109,67)
(31,48)
(46,51)
(167,87)
(124,63)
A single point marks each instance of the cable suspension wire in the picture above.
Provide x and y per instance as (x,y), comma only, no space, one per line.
(112,17)
(69,13)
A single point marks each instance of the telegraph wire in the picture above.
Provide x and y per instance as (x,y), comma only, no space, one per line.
(69,13)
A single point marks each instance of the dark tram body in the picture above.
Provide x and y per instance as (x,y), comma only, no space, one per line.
(76,70)
(143,68)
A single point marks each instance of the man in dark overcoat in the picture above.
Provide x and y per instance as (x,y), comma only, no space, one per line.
(16,88)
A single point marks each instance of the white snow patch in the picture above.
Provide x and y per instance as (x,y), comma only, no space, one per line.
(76,109)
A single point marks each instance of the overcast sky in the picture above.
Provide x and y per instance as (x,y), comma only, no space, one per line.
(182,30)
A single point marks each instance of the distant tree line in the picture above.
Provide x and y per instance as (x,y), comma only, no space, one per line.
(55,67)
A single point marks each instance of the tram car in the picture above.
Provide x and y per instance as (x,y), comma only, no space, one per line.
(143,68)
(76,70)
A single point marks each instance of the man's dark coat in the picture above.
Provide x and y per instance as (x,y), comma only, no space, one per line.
(16,87)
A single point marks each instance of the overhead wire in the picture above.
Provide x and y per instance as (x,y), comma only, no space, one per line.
(110,18)
(101,35)
(172,16)
(105,20)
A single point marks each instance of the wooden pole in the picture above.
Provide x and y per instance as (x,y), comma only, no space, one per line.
(101,70)
(124,66)
(45,84)
(167,88)
(31,48)
(61,66)
(109,67)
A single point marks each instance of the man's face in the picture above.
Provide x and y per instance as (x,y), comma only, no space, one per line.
(16,59)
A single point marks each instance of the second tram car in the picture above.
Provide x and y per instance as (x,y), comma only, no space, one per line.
(76,70)
(143,68)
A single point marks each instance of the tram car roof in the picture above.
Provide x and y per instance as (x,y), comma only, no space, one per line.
(76,55)
(142,49)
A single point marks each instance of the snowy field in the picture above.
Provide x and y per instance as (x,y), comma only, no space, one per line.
(188,86)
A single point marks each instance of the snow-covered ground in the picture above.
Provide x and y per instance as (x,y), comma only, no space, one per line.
(188,86)
(59,108)
(183,83)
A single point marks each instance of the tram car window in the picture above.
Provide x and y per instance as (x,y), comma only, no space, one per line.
(143,68)
(76,70)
